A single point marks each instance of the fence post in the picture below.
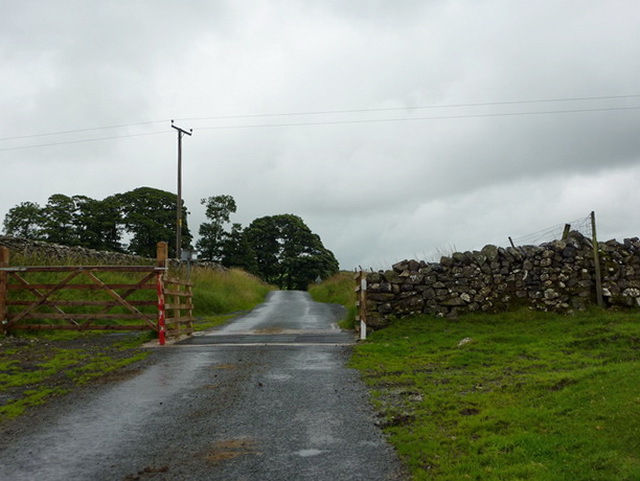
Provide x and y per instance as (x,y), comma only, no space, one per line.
(4,262)
(162,254)
(361,303)
(596,260)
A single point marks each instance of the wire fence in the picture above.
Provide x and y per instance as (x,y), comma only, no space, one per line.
(583,225)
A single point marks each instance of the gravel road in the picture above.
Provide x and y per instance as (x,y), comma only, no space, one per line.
(266,397)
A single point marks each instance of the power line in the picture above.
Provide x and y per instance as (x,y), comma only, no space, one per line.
(329,112)
(328,122)
(82,141)
(336,122)
(395,109)
(63,132)
(408,119)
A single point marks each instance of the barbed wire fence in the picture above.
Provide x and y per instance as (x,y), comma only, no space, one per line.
(584,225)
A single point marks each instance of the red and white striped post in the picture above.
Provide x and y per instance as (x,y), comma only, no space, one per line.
(162,254)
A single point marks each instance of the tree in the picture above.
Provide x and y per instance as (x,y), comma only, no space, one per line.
(237,252)
(288,253)
(149,216)
(58,218)
(97,223)
(212,234)
(24,220)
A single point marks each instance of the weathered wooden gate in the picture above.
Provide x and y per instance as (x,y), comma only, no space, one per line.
(94,297)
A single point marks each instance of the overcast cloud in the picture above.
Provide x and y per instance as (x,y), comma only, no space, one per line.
(453,174)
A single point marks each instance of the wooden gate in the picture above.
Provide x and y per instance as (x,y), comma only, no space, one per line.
(93,297)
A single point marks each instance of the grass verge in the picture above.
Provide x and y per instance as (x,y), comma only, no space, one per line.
(36,367)
(518,396)
(338,289)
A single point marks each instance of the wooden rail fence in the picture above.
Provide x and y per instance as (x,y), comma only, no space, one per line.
(80,298)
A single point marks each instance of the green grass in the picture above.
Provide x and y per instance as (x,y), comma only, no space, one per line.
(218,292)
(528,396)
(208,322)
(29,399)
(338,289)
(53,364)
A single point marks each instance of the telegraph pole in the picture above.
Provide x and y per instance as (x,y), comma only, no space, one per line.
(181,132)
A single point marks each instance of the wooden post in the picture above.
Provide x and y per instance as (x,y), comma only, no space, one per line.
(177,313)
(511,242)
(4,262)
(565,233)
(596,261)
(162,254)
(190,312)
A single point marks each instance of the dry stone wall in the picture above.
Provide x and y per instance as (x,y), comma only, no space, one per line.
(556,276)
(56,252)
(48,252)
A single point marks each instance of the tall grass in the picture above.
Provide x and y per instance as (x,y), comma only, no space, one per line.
(220,292)
(338,289)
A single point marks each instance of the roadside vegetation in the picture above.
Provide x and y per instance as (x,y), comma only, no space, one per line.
(36,365)
(220,295)
(338,289)
(516,396)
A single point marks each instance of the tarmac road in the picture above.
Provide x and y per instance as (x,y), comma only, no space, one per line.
(267,397)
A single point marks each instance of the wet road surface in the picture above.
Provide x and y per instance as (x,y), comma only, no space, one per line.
(267,397)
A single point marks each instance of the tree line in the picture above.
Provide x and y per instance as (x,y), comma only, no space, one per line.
(281,249)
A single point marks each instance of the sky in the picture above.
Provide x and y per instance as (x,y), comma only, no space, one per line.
(396,129)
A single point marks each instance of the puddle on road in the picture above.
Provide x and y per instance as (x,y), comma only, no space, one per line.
(315,361)
(75,442)
(279,377)
(306,453)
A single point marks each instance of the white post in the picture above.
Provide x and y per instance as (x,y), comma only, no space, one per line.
(363,306)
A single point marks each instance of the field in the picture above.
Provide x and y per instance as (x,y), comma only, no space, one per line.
(515,396)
